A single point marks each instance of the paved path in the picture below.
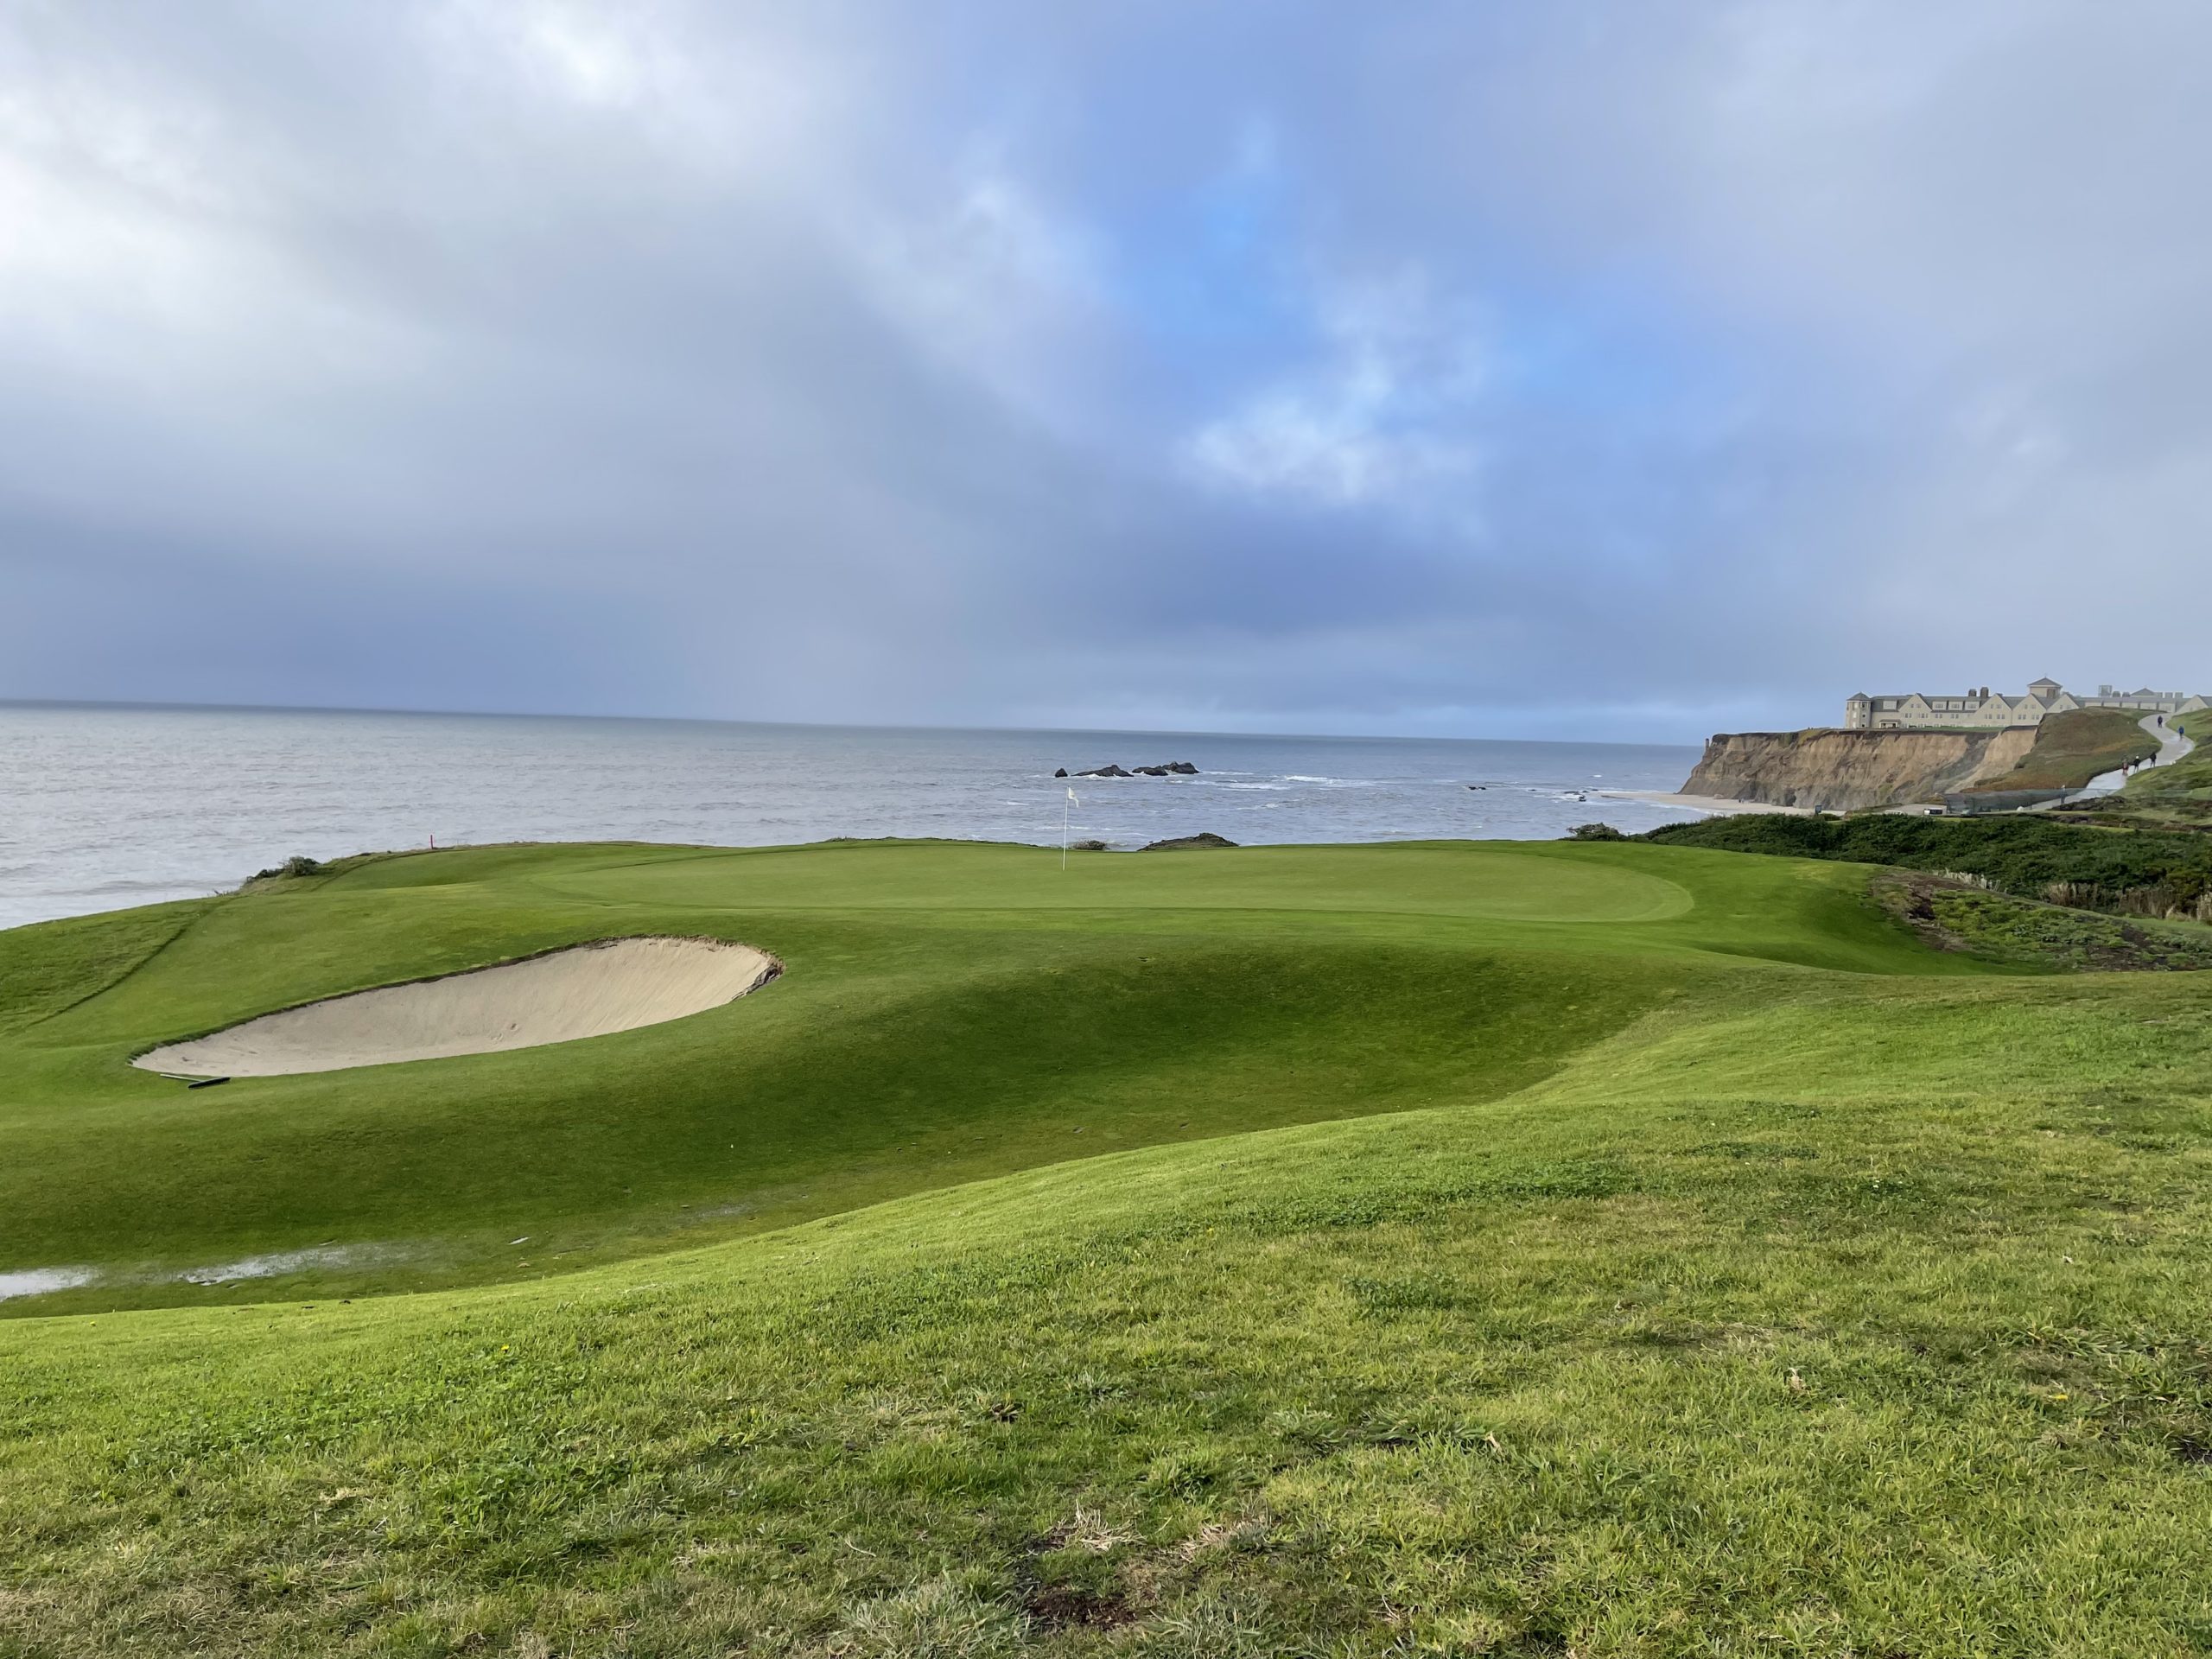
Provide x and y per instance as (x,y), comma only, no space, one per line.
(2171,746)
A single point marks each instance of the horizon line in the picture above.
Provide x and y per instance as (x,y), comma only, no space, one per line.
(801,725)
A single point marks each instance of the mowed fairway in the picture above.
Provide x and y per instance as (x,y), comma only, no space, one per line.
(1423,1248)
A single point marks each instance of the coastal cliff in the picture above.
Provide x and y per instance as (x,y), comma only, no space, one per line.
(1851,771)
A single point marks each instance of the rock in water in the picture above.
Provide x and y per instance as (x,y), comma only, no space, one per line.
(1204,841)
(1165,769)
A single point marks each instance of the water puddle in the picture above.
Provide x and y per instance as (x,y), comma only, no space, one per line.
(41,1281)
(279,1262)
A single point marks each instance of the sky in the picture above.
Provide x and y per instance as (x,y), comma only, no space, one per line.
(1627,371)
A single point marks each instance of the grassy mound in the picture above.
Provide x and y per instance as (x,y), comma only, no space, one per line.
(2072,748)
(1732,1274)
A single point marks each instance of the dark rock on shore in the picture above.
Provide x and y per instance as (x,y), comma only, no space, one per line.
(1062,772)
(1204,841)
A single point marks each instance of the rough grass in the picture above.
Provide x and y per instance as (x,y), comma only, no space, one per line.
(2026,856)
(1950,913)
(1809,1302)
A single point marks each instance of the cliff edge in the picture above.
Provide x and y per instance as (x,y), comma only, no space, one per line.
(1836,771)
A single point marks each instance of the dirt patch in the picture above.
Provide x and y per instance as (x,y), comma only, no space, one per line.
(1064,1607)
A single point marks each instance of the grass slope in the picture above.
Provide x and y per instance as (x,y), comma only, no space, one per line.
(950,1012)
(2074,747)
(1816,1293)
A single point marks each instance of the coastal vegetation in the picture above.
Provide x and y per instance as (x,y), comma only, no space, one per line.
(1597,1247)
(2032,855)
(1951,912)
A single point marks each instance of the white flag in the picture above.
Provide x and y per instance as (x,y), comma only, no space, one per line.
(1074,797)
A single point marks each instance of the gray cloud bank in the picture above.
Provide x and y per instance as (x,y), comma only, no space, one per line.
(1627,370)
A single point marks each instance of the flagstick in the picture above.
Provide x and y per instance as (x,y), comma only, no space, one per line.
(1064,830)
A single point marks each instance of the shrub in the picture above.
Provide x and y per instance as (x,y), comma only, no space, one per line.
(2030,855)
(1596,832)
(293,866)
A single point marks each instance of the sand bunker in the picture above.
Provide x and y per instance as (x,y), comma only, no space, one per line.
(586,991)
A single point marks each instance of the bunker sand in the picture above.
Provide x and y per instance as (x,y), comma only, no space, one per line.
(587,990)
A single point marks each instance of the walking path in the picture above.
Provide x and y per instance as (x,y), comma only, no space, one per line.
(2172,744)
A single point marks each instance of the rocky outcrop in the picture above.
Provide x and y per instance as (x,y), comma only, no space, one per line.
(1165,769)
(1204,841)
(1852,771)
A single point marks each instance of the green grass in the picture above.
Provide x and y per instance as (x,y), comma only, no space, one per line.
(1607,1249)
(950,1012)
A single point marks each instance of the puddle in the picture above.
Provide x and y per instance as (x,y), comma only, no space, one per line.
(283,1262)
(40,1282)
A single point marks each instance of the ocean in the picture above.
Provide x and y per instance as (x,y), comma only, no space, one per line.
(103,806)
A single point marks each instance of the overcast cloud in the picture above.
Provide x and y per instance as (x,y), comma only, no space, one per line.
(1614,370)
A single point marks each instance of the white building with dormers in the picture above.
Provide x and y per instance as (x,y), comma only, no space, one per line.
(1979,709)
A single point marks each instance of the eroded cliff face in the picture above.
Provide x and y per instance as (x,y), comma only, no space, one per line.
(1851,771)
